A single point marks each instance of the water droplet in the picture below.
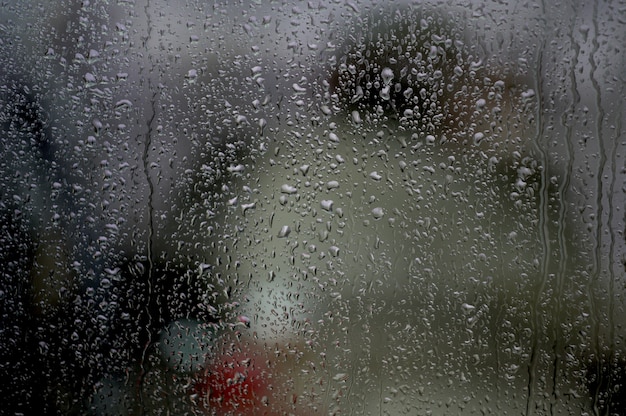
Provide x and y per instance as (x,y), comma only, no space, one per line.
(385,93)
(284,231)
(467,308)
(340,377)
(89,78)
(288,189)
(387,75)
(235,168)
(97,125)
(433,52)
(244,320)
(297,88)
(246,207)
(327,205)
(332,185)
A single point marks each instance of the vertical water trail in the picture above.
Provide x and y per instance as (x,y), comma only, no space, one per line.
(536,321)
(614,189)
(558,346)
(597,250)
(150,117)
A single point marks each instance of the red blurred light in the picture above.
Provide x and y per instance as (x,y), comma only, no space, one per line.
(236,383)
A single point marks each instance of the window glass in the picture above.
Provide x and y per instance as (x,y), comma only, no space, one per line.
(312,207)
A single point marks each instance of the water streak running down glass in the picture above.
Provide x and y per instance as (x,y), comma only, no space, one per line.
(312,207)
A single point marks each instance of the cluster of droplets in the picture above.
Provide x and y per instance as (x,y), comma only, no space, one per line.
(409,73)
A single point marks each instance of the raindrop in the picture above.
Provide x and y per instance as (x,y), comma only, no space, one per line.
(387,75)
(332,185)
(297,88)
(285,230)
(327,205)
(385,93)
(288,189)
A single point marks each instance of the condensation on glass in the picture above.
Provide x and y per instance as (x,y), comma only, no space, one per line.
(312,208)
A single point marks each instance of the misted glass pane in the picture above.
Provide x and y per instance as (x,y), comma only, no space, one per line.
(312,207)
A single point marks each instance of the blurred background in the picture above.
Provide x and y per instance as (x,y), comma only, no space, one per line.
(312,207)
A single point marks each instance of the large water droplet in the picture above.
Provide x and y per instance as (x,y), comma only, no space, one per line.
(387,75)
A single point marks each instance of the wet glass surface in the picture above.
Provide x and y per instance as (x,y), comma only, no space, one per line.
(312,208)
